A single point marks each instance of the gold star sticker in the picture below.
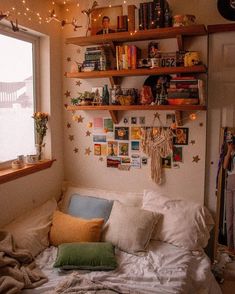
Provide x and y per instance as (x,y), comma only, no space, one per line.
(75,150)
(101,159)
(88,151)
(80,119)
(196,158)
(68,125)
(88,133)
(78,83)
(67,93)
(68,59)
(71,137)
(90,125)
(192,142)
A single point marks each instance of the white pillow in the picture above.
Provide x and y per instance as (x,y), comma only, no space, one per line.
(184,224)
(30,231)
(130,228)
(128,198)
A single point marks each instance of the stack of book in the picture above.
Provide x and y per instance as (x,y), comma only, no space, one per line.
(152,15)
(96,58)
(126,56)
(186,91)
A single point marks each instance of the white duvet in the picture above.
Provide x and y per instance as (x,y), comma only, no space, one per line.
(164,269)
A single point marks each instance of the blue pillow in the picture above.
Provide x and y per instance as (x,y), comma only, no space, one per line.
(89,207)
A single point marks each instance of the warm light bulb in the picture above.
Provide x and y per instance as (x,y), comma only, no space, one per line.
(193,116)
(23,1)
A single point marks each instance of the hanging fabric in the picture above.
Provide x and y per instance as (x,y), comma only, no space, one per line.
(157,143)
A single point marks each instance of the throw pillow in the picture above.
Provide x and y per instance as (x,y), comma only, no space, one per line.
(86,256)
(184,224)
(89,207)
(130,228)
(68,229)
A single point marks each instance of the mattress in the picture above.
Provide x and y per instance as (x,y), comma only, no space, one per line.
(164,269)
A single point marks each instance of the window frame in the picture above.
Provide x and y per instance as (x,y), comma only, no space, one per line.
(26,36)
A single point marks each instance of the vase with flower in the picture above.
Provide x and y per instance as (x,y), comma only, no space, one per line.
(40,120)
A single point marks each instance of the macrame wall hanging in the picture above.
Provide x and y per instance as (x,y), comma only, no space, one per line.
(157,143)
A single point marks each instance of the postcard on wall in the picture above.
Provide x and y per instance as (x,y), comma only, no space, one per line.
(135,146)
(108,125)
(103,149)
(142,120)
(126,160)
(135,133)
(122,133)
(112,148)
(98,125)
(181,137)
(123,149)
(135,161)
(97,149)
(133,120)
(113,161)
(177,154)
(166,162)
(99,138)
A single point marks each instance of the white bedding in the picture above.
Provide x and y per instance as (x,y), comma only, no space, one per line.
(165,269)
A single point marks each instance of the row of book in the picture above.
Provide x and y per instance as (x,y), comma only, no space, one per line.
(155,14)
(186,90)
(127,56)
(96,58)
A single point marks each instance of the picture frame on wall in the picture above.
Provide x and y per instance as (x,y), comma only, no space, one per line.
(98,14)
(181,136)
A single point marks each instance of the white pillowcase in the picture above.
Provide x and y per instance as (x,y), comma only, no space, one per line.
(130,228)
(184,224)
(30,231)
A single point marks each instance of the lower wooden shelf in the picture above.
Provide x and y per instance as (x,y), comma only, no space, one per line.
(10,174)
(113,109)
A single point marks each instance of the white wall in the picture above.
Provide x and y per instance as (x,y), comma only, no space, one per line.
(19,195)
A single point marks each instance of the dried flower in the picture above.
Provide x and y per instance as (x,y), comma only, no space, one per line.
(40,119)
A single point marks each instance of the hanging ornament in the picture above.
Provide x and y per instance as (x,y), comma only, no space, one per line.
(3,15)
(74,23)
(196,158)
(88,12)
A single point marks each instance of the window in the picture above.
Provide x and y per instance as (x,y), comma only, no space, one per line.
(17,95)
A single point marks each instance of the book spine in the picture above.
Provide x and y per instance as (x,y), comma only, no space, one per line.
(183,86)
(201,90)
(145,16)
(141,27)
(129,57)
(133,57)
(131,17)
(117,57)
(125,57)
(151,15)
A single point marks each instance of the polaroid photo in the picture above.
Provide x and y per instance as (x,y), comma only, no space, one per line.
(99,138)
(112,148)
(135,146)
(108,125)
(142,120)
(98,125)
(166,162)
(126,160)
(135,133)
(177,154)
(134,120)
(125,120)
(97,149)
(144,160)
(135,161)
(123,149)
(113,161)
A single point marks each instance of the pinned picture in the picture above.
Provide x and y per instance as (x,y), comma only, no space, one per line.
(135,146)
(113,161)
(142,120)
(122,133)
(125,120)
(135,133)
(99,138)
(144,160)
(103,149)
(177,154)
(112,148)
(98,125)
(135,161)
(166,162)
(123,149)
(108,125)
(181,137)
(126,160)
(97,149)
(134,120)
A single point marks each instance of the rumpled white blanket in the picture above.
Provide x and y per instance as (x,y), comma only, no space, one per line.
(164,269)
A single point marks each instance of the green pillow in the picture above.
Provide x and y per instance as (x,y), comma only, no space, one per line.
(86,256)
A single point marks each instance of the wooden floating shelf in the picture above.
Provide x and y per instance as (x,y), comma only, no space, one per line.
(120,37)
(113,109)
(10,174)
(112,74)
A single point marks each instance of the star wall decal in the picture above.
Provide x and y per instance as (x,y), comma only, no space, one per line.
(101,159)
(196,158)
(75,150)
(80,119)
(68,125)
(90,125)
(71,137)
(156,115)
(88,133)
(88,151)
(192,142)
(78,83)
(68,59)
(201,124)
(78,51)
(66,105)
(67,93)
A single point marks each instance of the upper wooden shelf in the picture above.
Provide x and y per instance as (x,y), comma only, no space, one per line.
(136,72)
(154,34)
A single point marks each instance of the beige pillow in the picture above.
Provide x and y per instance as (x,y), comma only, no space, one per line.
(184,223)
(31,230)
(130,228)
(68,229)
(128,198)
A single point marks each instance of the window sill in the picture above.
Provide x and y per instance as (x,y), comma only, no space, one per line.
(10,174)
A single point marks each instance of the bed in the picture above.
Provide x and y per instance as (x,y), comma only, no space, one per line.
(165,266)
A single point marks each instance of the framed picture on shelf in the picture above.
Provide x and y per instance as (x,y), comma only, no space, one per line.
(105,18)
